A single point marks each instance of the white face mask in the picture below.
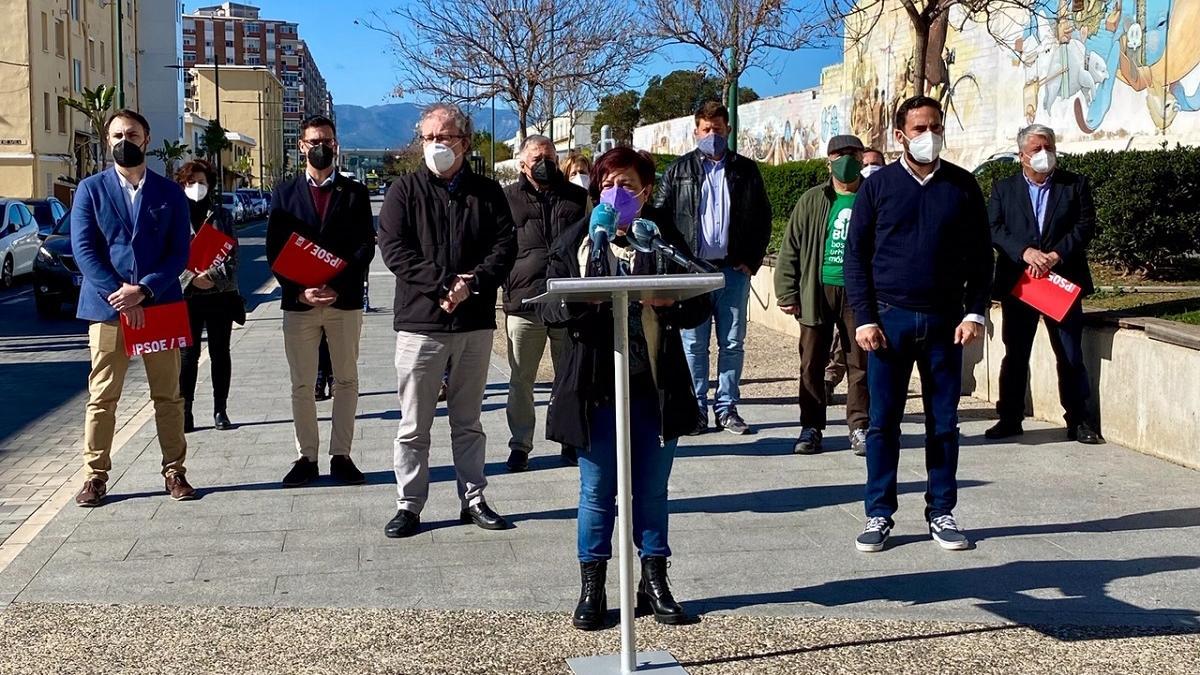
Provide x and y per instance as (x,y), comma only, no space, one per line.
(1043,161)
(196,191)
(925,148)
(581,179)
(869,169)
(439,157)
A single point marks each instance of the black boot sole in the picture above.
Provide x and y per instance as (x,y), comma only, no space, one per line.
(644,608)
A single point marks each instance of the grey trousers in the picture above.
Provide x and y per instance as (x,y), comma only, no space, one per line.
(421,359)
(526,343)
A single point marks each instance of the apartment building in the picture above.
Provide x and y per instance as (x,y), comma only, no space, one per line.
(55,49)
(235,34)
(251,105)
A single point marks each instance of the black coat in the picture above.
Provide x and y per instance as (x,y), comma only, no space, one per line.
(428,235)
(749,207)
(348,231)
(586,380)
(1070,225)
(539,217)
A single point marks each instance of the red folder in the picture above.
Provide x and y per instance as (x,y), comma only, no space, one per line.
(166,328)
(210,247)
(304,262)
(1052,295)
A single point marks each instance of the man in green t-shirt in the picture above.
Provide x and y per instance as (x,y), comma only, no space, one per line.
(809,285)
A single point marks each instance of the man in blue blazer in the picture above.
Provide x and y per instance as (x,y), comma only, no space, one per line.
(130,232)
(1042,221)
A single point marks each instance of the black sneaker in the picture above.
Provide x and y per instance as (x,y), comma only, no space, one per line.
(518,460)
(1004,429)
(809,442)
(701,424)
(732,422)
(874,535)
(946,533)
(303,472)
(1085,434)
(342,469)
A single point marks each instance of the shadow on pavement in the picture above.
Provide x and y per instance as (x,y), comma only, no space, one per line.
(1006,591)
(32,391)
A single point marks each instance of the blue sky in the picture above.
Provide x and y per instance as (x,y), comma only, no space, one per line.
(357,62)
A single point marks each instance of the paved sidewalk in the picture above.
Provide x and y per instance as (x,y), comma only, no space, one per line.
(1066,535)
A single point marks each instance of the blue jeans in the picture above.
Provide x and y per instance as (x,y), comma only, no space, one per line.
(928,341)
(729,314)
(650,469)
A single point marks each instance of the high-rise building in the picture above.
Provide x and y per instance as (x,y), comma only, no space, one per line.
(72,45)
(235,34)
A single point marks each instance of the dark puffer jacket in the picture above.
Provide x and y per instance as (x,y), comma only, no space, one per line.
(587,379)
(538,217)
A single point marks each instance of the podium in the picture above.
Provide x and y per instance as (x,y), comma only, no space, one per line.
(620,291)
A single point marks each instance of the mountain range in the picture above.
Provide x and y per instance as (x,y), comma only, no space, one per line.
(393,125)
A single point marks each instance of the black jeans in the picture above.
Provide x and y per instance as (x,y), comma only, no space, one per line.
(1066,339)
(214,314)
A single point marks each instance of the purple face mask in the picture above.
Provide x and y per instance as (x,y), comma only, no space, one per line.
(624,201)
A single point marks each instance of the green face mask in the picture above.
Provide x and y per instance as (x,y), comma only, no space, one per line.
(846,168)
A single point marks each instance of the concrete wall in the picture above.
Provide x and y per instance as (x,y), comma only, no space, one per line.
(1114,76)
(161,87)
(1145,392)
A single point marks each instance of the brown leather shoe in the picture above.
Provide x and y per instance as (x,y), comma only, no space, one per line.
(92,493)
(177,486)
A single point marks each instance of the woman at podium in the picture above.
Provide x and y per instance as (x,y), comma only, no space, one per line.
(662,402)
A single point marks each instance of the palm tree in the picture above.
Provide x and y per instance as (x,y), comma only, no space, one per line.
(214,141)
(95,105)
(169,153)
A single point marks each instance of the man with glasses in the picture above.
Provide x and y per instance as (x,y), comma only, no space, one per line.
(447,234)
(334,212)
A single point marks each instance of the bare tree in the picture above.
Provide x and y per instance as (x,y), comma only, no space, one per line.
(754,29)
(930,23)
(469,51)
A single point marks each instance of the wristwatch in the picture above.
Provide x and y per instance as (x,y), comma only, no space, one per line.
(148,295)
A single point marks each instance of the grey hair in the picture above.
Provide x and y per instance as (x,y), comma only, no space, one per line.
(536,139)
(461,119)
(1035,130)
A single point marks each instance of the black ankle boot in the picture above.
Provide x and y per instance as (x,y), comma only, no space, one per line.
(654,594)
(189,422)
(592,610)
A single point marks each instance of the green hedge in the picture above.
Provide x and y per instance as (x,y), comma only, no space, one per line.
(1147,201)
(1147,204)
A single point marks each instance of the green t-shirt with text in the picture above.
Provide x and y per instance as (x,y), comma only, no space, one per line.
(835,240)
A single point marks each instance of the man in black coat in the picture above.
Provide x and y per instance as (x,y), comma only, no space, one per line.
(543,204)
(447,234)
(334,212)
(717,201)
(1042,221)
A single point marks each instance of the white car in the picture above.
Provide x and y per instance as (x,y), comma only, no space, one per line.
(233,207)
(19,241)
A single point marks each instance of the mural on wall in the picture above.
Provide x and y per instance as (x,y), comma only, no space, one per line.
(1117,74)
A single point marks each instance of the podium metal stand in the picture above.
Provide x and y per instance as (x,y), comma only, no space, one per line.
(620,291)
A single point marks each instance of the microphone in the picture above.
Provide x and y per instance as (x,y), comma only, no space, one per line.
(646,238)
(601,229)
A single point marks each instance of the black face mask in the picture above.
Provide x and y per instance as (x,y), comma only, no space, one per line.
(128,154)
(320,157)
(545,172)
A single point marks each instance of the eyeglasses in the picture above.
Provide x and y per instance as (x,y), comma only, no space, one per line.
(442,139)
(313,142)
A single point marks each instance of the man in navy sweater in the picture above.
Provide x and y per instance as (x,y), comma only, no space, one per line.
(918,269)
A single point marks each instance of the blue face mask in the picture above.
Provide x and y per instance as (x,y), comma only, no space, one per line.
(713,145)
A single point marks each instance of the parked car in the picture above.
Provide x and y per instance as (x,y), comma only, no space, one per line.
(998,158)
(48,213)
(18,241)
(247,206)
(259,204)
(56,277)
(233,206)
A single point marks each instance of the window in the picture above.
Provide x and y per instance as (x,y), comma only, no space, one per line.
(189,56)
(253,27)
(189,41)
(103,60)
(46,109)
(45,32)
(91,54)
(60,38)
(62,118)
(229,44)
(76,75)
(75,10)
(253,61)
